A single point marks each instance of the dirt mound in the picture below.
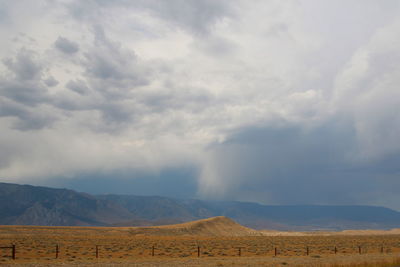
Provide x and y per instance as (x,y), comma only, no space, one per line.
(215,226)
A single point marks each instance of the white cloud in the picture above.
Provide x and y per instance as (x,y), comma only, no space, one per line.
(366,89)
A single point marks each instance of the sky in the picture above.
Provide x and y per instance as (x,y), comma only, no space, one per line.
(276,102)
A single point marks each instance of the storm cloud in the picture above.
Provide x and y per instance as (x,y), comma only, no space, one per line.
(268,101)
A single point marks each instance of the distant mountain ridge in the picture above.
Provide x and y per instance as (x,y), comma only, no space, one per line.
(34,205)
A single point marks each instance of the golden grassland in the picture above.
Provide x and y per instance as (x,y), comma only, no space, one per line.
(125,246)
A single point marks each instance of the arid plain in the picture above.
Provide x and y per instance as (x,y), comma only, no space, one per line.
(216,241)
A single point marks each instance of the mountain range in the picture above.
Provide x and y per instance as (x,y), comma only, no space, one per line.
(35,205)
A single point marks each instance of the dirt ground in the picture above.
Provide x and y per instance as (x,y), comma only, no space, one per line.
(36,246)
(327,260)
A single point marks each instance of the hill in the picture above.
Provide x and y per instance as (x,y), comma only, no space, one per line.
(215,226)
(33,205)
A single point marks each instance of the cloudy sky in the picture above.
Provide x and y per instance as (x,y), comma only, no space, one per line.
(279,102)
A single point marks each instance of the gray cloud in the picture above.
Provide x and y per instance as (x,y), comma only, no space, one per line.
(28,118)
(66,46)
(4,16)
(259,96)
(51,81)
(22,83)
(191,15)
(34,121)
(22,92)
(116,115)
(216,46)
(28,93)
(78,86)
(24,66)
(112,68)
(196,16)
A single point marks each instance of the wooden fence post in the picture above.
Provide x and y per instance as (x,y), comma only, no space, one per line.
(381,249)
(198,251)
(359,249)
(152,251)
(13,250)
(97,251)
(276,251)
(335,250)
(56,251)
(308,251)
(240,251)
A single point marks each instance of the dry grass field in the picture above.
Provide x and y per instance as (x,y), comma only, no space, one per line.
(219,241)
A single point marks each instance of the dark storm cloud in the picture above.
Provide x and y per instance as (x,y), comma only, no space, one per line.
(294,165)
(66,46)
(289,165)
(163,183)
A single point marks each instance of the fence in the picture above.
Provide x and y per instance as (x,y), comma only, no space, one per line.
(275,251)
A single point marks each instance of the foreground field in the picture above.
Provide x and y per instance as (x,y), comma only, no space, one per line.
(178,246)
(326,261)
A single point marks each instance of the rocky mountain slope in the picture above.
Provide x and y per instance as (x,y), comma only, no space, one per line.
(32,205)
